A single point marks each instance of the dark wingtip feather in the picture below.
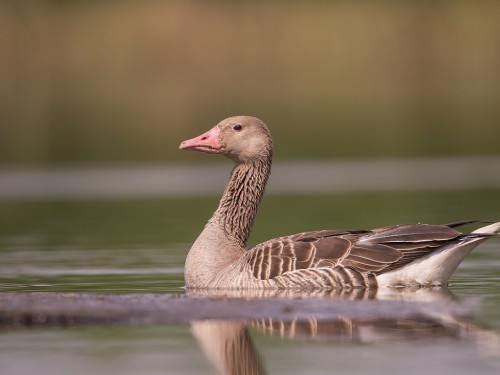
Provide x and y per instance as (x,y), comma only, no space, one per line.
(457,224)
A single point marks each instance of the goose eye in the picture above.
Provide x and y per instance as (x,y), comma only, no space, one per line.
(238,127)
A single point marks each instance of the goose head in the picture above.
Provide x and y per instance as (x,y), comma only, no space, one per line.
(243,139)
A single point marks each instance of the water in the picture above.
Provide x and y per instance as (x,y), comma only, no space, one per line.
(92,287)
(435,332)
(153,270)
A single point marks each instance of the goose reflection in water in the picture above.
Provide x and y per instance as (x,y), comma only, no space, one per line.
(430,314)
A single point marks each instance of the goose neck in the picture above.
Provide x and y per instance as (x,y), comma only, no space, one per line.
(241,199)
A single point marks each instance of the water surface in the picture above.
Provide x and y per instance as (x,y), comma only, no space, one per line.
(447,332)
(118,268)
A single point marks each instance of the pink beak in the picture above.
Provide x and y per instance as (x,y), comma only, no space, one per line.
(207,142)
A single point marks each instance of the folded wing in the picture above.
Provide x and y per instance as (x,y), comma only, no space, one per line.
(371,252)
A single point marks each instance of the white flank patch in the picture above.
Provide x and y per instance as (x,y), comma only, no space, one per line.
(432,269)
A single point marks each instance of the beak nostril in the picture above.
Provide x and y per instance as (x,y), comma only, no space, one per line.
(204,138)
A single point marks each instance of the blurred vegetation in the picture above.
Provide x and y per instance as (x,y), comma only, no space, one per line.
(125,81)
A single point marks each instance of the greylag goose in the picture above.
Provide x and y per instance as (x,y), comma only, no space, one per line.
(402,255)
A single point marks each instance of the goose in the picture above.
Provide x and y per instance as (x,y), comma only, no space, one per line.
(398,255)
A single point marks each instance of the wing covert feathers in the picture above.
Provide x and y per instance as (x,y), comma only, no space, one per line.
(345,258)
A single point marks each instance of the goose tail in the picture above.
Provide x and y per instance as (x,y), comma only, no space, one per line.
(488,229)
(437,267)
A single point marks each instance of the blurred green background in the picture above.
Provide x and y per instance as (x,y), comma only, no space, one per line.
(91,84)
(125,81)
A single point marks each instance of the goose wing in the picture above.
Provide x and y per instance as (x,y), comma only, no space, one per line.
(297,252)
(374,251)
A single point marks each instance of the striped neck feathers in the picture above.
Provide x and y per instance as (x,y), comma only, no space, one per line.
(240,201)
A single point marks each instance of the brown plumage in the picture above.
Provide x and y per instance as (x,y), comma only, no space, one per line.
(407,254)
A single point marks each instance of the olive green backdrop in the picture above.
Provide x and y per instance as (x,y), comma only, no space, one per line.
(125,81)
